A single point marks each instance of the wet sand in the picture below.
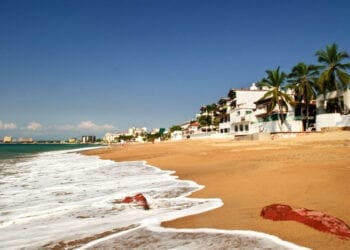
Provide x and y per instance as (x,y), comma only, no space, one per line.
(310,171)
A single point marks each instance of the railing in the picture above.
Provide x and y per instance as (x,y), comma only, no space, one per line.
(260,111)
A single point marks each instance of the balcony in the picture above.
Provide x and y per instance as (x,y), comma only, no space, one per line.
(260,111)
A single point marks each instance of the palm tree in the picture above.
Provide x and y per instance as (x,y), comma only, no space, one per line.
(303,82)
(205,121)
(334,76)
(208,115)
(274,82)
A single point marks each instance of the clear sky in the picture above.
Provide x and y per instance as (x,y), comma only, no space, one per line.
(69,68)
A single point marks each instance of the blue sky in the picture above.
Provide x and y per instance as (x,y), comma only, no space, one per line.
(69,68)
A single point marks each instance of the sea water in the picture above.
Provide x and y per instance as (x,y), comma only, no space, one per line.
(65,200)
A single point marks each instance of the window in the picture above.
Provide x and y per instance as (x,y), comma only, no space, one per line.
(247,127)
(241,127)
(236,128)
(248,112)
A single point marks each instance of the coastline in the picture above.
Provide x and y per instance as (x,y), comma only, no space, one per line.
(310,171)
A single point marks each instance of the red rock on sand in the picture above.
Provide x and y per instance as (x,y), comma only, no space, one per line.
(318,220)
(138,199)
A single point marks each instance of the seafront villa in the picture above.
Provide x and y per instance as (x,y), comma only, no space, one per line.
(333,110)
(237,111)
(190,127)
(244,112)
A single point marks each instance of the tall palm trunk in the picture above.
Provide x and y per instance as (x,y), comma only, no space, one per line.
(307,116)
(333,81)
(280,107)
(338,99)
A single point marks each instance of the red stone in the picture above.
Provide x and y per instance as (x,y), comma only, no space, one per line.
(316,219)
(128,199)
(138,199)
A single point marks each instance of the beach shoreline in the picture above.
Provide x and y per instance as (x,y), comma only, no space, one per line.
(310,171)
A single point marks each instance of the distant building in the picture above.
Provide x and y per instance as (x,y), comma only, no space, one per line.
(112,137)
(25,140)
(72,140)
(7,139)
(88,139)
(155,131)
(136,132)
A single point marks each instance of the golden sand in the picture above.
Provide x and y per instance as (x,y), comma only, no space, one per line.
(310,171)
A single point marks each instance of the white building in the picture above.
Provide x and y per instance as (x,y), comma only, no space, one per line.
(137,133)
(329,115)
(238,117)
(88,139)
(190,127)
(271,123)
(7,139)
(25,140)
(176,135)
(111,137)
(244,113)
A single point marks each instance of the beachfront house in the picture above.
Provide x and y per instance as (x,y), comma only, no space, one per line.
(244,112)
(190,128)
(242,116)
(224,107)
(333,110)
(270,122)
(237,111)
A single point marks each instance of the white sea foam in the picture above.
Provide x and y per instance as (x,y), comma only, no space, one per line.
(64,196)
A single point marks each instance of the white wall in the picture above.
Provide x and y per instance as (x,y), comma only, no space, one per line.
(247,98)
(225,125)
(176,135)
(332,120)
(321,104)
(275,126)
(237,118)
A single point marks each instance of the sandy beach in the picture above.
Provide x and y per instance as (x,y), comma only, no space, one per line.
(309,171)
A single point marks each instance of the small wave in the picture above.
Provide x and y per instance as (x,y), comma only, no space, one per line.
(61,197)
(155,237)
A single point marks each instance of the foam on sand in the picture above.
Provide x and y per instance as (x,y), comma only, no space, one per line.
(68,199)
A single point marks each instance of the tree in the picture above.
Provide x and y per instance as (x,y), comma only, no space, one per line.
(175,128)
(205,121)
(275,95)
(334,76)
(208,115)
(303,82)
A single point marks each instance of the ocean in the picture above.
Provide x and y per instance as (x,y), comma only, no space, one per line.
(53,197)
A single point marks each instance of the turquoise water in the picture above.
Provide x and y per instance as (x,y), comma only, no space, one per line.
(15,151)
